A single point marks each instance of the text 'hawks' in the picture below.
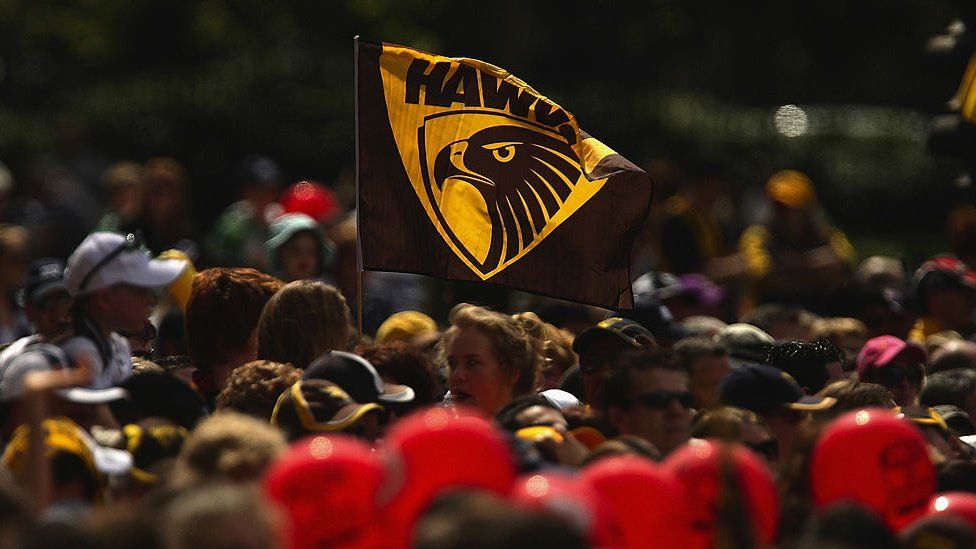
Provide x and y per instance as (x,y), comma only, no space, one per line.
(473,88)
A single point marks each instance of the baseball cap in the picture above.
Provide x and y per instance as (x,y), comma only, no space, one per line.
(104,259)
(762,389)
(558,493)
(945,269)
(746,343)
(356,376)
(327,485)
(44,357)
(45,277)
(317,405)
(61,435)
(152,442)
(873,458)
(404,326)
(312,199)
(625,329)
(881,350)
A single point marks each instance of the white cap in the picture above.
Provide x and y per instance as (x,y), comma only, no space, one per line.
(105,259)
(560,399)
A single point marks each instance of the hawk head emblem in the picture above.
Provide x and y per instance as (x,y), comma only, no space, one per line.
(498,188)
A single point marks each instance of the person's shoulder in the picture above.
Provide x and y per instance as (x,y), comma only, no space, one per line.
(77,345)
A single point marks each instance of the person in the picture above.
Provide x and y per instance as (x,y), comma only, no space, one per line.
(406,326)
(221,323)
(401,363)
(956,387)
(746,343)
(848,334)
(112,281)
(707,363)
(303,321)
(812,365)
(952,355)
(647,395)
(945,288)
(13,268)
(253,388)
(122,184)
(795,257)
(46,302)
(237,238)
(297,248)
(894,363)
(737,425)
(559,355)
(220,516)
(781,322)
(490,358)
(357,377)
(164,218)
(775,397)
(598,346)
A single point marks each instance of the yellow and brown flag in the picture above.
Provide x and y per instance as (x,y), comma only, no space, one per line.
(467,173)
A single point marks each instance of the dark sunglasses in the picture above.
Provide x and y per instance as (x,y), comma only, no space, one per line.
(659,400)
(131,243)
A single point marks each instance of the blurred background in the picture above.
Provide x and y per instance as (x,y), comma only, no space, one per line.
(843,91)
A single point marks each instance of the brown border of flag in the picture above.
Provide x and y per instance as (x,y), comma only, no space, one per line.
(465,172)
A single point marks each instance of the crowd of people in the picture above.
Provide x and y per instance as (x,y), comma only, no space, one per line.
(157,392)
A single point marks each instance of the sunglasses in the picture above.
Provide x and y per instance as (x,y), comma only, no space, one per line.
(659,400)
(130,244)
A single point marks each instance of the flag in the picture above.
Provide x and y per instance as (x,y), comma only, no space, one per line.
(467,173)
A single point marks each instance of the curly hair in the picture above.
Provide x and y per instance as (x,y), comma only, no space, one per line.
(556,344)
(403,363)
(253,388)
(227,446)
(515,350)
(301,322)
(223,311)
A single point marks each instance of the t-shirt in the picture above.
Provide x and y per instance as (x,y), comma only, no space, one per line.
(105,374)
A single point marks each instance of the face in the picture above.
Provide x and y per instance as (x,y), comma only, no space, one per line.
(129,306)
(299,257)
(706,374)
(656,414)
(51,316)
(595,362)
(476,377)
(903,378)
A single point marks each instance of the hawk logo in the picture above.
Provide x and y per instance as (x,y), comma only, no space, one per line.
(497,190)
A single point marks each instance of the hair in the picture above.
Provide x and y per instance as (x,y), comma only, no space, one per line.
(253,388)
(223,311)
(619,381)
(623,445)
(210,517)
(556,343)
(403,363)
(122,174)
(767,317)
(302,321)
(948,387)
(166,167)
(725,423)
(952,356)
(806,362)
(227,446)
(515,350)
(837,327)
(692,349)
(852,394)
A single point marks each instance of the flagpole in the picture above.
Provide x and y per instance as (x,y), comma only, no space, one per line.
(359,240)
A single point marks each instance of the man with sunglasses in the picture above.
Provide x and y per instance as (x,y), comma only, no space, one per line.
(646,395)
(112,280)
(597,348)
(894,363)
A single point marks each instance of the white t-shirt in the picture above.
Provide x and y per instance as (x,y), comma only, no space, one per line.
(118,368)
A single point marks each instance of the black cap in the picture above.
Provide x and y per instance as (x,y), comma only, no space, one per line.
(44,277)
(763,389)
(259,171)
(356,376)
(627,330)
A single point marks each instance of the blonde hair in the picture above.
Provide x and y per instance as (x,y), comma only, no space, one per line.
(516,350)
(227,446)
(554,344)
(837,327)
(305,319)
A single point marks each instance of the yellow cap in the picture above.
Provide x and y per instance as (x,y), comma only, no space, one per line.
(790,188)
(404,326)
(180,288)
(61,435)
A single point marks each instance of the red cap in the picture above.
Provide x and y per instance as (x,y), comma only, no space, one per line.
(327,486)
(958,504)
(433,451)
(648,505)
(312,199)
(873,458)
(949,265)
(881,350)
(700,467)
(570,498)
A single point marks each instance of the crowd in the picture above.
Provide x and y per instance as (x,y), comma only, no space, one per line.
(163,387)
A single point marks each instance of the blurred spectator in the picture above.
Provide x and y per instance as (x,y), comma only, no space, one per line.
(122,184)
(221,323)
(703,326)
(897,365)
(237,238)
(735,425)
(956,387)
(946,292)
(319,406)
(707,363)
(812,365)
(952,355)
(356,376)
(852,394)
(795,257)
(746,343)
(46,302)
(401,363)
(647,395)
(253,388)
(598,347)
(13,267)
(847,334)
(557,345)
(782,322)
(297,249)
(314,200)
(301,322)
(165,217)
(407,326)
(220,517)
